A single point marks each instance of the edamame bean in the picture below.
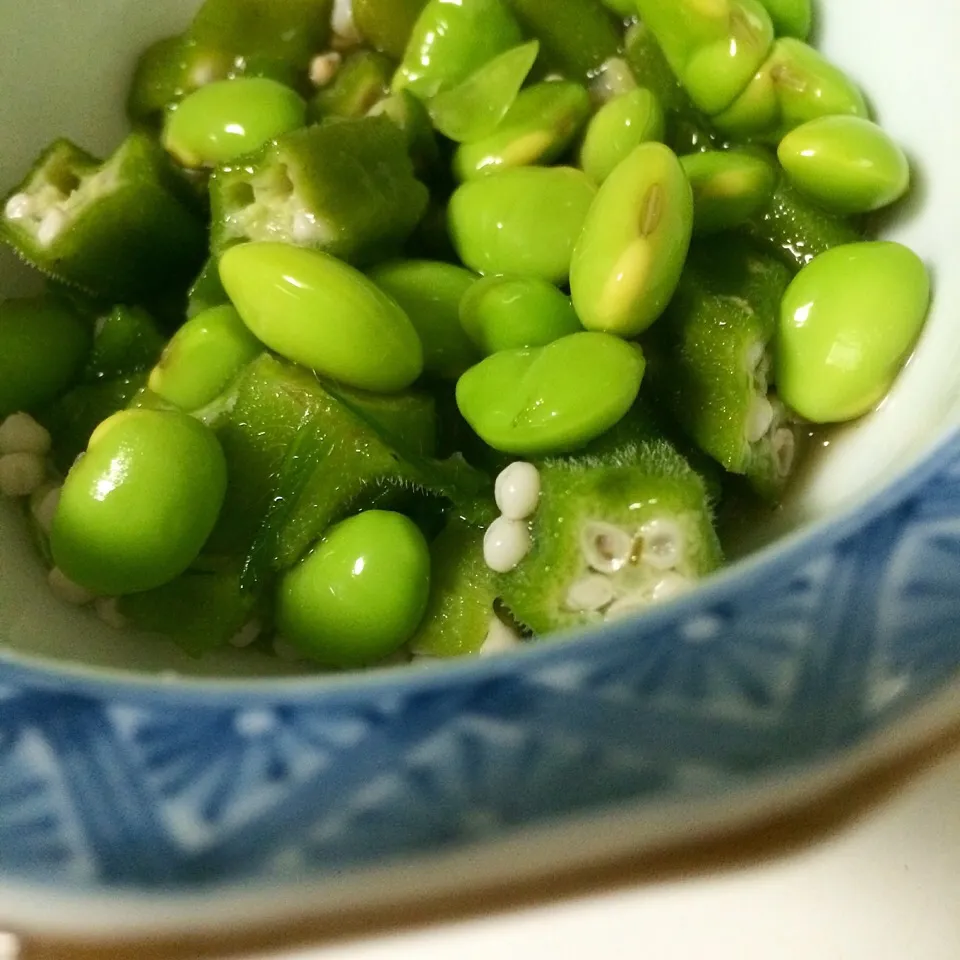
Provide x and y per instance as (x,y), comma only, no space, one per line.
(473,109)
(319,312)
(225,120)
(504,313)
(542,123)
(791,18)
(449,41)
(136,510)
(729,187)
(43,346)
(628,259)
(203,357)
(360,595)
(430,293)
(551,399)
(796,84)
(714,48)
(848,322)
(524,221)
(847,164)
(616,128)
(387,24)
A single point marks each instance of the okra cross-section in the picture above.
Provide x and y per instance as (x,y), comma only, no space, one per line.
(345,187)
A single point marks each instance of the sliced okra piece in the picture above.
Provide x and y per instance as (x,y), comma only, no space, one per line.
(729,187)
(711,360)
(713,48)
(200,611)
(345,187)
(462,595)
(264,37)
(796,229)
(794,85)
(537,130)
(361,82)
(577,36)
(411,116)
(386,25)
(126,341)
(115,229)
(207,290)
(612,534)
(449,41)
(473,109)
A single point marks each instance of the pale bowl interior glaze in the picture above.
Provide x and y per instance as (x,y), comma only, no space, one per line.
(65,68)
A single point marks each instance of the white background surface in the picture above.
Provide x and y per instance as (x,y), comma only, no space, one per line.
(886,887)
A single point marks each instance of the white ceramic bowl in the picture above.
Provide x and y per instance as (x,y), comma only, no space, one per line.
(209,795)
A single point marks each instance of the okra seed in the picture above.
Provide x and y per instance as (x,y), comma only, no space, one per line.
(21,474)
(43,505)
(759,419)
(663,544)
(247,634)
(505,544)
(500,638)
(108,612)
(517,490)
(19,206)
(63,588)
(342,22)
(50,226)
(626,606)
(324,67)
(590,593)
(784,447)
(20,433)
(606,547)
(670,586)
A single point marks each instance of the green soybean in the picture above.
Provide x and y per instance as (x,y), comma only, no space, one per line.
(791,18)
(43,346)
(542,123)
(796,84)
(551,399)
(319,312)
(360,594)
(524,221)
(430,293)
(136,510)
(628,259)
(474,108)
(847,164)
(616,128)
(202,358)
(848,322)
(225,120)
(729,187)
(450,41)
(387,24)
(714,47)
(506,313)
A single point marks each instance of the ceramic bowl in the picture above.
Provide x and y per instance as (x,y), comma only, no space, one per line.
(140,790)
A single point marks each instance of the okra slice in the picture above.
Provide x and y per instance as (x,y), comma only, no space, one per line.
(386,25)
(116,229)
(126,340)
(577,36)
(345,187)
(361,82)
(199,611)
(538,129)
(613,533)
(462,594)
(796,229)
(710,361)
(411,117)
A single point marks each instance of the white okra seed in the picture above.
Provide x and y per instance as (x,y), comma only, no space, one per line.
(43,505)
(20,433)
(247,634)
(589,593)
(324,67)
(606,548)
(500,638)
(784,447)
(108,610)
(505,544)
(517,490)
(759,418)
(50,226)
(663,544)
(342,21)
(63,588)
(670,586)
(19,206)
(21,474)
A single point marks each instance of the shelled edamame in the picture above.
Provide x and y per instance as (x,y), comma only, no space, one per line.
(397,327)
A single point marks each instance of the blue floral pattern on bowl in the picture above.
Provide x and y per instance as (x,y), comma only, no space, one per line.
(116,787)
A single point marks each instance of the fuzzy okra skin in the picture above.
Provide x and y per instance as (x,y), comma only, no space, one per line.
(116,229)
(614,532)
(709,361)
(361,82)
(345,187)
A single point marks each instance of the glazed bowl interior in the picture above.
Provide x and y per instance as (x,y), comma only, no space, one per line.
(65,70)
